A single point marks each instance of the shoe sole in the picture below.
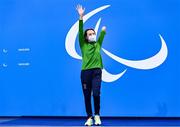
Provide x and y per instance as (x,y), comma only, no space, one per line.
(97,124)
(88,125)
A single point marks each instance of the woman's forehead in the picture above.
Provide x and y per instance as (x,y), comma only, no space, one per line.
(90,32)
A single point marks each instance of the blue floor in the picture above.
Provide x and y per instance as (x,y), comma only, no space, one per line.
(79,121)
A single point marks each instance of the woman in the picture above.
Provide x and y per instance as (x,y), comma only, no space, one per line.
(92,65)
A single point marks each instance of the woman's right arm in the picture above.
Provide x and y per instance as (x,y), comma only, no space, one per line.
(80,11)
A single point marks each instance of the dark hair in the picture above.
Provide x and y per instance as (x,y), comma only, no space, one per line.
(85,33)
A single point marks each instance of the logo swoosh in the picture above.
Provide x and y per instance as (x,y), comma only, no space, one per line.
(145,64)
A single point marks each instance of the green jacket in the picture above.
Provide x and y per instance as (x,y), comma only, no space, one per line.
(91,57)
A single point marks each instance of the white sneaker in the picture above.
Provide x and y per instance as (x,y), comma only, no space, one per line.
(89,122)
(97,120)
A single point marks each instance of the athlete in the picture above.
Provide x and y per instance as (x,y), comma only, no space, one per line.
(91,71)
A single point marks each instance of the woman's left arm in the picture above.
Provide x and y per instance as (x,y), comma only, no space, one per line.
(102,34)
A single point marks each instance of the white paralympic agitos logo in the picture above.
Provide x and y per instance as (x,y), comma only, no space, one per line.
(145,64)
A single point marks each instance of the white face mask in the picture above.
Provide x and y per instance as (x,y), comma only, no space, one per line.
(92,38)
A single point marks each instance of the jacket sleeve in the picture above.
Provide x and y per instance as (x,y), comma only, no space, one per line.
(81,35)
(101,37)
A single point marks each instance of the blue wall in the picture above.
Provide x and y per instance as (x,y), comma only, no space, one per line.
(39,77)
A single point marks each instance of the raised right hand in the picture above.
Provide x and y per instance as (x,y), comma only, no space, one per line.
(80,10)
